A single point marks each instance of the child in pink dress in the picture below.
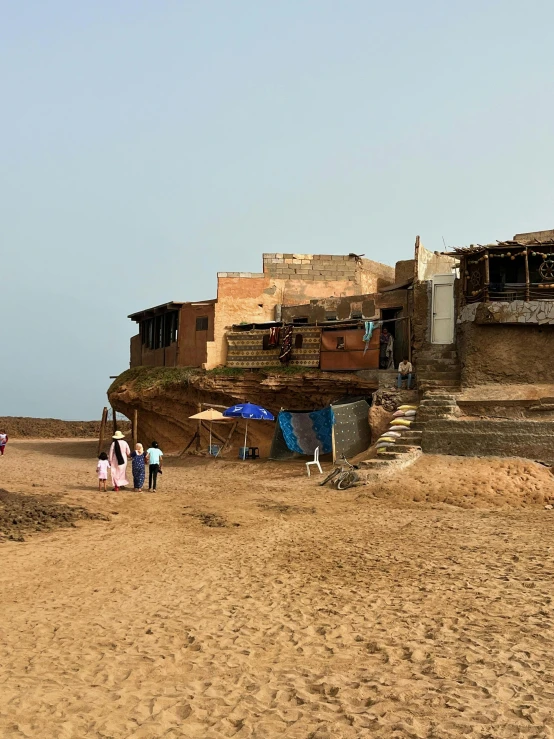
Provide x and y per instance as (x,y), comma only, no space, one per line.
(102,468)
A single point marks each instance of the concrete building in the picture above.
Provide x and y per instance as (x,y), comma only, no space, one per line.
(194,333)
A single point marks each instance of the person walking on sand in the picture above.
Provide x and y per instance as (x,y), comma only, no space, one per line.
(154,458)
(102,468)
(138,465)
(117,457)
(3,442)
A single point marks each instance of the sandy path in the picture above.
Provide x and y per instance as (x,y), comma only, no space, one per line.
(365,618)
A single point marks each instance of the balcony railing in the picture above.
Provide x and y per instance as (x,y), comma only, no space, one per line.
(508,292)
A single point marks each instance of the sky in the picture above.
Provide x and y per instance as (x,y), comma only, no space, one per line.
(147,145)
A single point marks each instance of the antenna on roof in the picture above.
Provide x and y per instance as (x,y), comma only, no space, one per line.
(444,243)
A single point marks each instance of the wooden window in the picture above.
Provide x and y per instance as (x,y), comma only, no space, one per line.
(202,323)
(340,343)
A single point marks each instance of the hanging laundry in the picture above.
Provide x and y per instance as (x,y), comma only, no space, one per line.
(274,336)
(369,326)
(286,348)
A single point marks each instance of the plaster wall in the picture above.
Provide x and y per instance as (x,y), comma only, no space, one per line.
(505,354)
(192,344)
(429,264)
(404,270)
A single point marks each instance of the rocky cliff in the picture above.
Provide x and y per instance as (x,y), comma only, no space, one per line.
(166,397)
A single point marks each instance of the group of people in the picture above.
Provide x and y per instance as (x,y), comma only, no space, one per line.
(116,462)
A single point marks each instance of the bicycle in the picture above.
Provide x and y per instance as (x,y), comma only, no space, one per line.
(343,477)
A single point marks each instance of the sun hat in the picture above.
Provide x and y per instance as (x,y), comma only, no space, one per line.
(118,435)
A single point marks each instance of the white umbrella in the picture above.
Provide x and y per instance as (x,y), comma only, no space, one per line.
(210,415)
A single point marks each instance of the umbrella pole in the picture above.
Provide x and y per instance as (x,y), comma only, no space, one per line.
(210,449)
(245,435)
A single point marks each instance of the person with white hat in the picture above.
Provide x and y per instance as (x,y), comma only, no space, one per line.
(118,456)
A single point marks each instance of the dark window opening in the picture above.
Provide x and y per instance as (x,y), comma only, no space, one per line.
(503,270)
(340,342)
(160,331)
(202,323)
(298,341)
(299,321)
(330,316)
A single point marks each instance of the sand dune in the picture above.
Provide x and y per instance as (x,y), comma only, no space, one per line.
(245,601)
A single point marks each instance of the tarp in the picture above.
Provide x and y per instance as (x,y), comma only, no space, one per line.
(279,449)
(352,429)
(303,432)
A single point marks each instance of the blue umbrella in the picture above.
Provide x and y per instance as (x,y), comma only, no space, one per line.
(248,411)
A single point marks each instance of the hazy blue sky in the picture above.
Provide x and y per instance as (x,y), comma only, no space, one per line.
(148,145)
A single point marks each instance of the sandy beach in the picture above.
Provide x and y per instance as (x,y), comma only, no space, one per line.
(244,601)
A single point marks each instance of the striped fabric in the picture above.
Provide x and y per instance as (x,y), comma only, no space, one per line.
(245,349)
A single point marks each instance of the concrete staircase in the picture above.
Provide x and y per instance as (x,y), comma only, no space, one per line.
(437,368)
(435,406)
(405,451)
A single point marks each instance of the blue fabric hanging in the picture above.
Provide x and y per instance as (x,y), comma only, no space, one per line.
(369,326)
(303,432)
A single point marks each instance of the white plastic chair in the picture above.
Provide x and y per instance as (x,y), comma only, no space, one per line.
(316,462)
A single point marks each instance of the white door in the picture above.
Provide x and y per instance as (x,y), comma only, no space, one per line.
(443,310)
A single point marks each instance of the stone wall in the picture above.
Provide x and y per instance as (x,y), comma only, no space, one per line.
(496,438)
(368,275)
(536,312)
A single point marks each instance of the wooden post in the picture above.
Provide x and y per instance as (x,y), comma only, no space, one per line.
(135,428)
(527,280)
(102,429)
(487,278)
(199,428)
(333,442)
(114,421)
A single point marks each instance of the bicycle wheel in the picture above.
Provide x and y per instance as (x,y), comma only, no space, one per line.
(330,477)
(347,480)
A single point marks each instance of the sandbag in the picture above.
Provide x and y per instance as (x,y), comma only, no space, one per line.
(386,438)
(410,414)
(394,432)
(407,408)
(398,414)
(384,445)
(401,422)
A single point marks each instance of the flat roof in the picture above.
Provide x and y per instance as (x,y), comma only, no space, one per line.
(166,307)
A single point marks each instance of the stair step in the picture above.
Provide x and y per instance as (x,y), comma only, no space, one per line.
(411,435)
(436,403)
(367,463)
(421,363)
(437,375)
(427,384)
(440,354)
(391,455)
(406,447)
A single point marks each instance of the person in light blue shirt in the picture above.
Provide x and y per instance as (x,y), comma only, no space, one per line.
(154,458)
